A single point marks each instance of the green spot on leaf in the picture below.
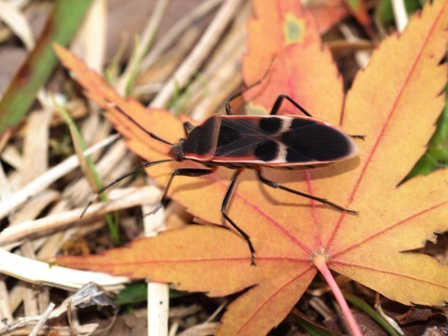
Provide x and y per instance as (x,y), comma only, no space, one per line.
(254,109)
(294,29)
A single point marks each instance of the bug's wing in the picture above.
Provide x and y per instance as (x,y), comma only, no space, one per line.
(238,139)
(310,140)
(282,141)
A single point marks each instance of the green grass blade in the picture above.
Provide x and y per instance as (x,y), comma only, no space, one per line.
(67,16)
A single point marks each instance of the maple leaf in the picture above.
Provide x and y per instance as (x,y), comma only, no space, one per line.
(394,102)
(302,68)
(328,13)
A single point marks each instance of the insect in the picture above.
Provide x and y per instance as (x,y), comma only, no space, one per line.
(251,142)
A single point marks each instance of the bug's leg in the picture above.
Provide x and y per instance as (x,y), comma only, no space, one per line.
(191,172)
(279,101)
(103,189)
(356,136)
(188,126)
(321,200)
(225,204)
(239,93)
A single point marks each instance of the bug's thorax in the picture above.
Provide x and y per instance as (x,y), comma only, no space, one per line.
(177,152)
(202,141)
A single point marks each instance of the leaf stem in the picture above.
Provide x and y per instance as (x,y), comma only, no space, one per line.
(320,262)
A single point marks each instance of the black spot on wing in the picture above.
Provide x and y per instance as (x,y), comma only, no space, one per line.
(267,151)
(311,141)
(299,123)
(270,125)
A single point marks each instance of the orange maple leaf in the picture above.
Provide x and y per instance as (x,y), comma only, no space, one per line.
(394,102)
(302,68)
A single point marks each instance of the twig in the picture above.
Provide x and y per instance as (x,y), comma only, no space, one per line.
(158,294)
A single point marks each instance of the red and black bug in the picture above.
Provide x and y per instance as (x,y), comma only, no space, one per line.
(251,142)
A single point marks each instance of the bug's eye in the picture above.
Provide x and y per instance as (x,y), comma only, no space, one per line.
(177,151)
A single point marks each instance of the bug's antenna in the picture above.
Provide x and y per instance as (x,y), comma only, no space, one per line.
(103,189)
(258,82)
(152,135)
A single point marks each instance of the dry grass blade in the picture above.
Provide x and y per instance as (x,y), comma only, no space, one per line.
(199,53)
(204,329)
(42,320)
(176,30)
(222,84)
(46,179)
(39,273)
(17,22)
(119,199)
(143,46)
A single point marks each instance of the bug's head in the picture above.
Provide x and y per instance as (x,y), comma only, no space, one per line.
(178,150)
